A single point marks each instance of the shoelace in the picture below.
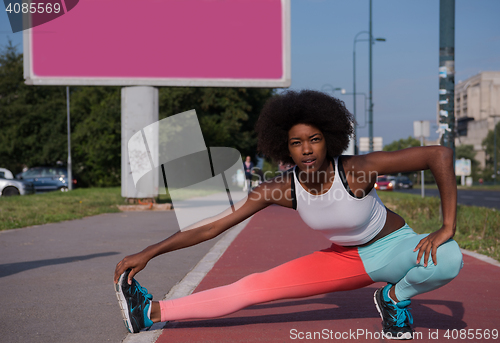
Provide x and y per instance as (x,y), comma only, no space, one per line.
(402,314)
(143,290)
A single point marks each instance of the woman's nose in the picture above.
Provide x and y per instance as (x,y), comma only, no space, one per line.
(306,148)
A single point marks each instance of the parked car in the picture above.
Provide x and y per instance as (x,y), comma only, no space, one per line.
(403,182)
(47,178)
(10,186)
(384,183)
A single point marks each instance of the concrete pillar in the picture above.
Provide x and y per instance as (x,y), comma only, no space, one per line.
(139,109)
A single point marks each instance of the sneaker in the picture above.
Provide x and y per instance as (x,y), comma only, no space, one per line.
(396,318)
(135,303)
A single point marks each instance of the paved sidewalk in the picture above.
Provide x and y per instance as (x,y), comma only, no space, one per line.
(56,280)
(470,302)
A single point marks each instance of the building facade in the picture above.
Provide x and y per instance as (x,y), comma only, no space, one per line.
(477,110)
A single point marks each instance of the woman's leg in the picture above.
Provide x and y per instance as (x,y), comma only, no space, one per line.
(393,260)
(422,279)
(334,269)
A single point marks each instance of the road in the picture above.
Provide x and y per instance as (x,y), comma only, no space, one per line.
(489,199)
(56,279)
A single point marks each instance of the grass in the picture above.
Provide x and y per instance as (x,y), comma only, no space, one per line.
(52,207)
(480,187)
(476,226)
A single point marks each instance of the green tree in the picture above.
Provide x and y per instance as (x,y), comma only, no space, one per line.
(488,144)
(227,115)
(96,135)
(402,144)
(409,143)
(33,119)
(467,152)
(34,125)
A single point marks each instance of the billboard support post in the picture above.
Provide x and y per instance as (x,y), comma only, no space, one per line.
(139,109)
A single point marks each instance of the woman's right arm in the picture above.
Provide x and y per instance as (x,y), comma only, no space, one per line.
(259,198)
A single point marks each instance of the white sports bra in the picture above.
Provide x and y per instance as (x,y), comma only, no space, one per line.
(341,217)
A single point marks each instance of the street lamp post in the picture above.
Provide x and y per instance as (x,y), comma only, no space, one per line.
(355,119)
(371,41)
(70,176)
(332,89)
(354,84)
(370,97)
(370,94)
(495,154)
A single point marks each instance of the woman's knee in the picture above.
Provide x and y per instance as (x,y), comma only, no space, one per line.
(449,260)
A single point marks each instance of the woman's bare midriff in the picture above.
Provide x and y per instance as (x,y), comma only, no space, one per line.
(393,223)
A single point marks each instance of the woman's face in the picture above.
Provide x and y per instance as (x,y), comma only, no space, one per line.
(307,147)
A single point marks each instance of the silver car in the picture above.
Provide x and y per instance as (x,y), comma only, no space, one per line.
(10,186)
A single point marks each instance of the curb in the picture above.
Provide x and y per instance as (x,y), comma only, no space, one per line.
(149,207)
(481,257)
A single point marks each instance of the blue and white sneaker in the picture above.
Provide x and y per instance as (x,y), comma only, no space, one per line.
(135,303)
(396,317)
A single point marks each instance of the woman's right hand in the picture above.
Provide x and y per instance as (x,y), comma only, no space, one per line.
(135,262)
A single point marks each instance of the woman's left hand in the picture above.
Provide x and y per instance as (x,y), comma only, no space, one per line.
(428,245)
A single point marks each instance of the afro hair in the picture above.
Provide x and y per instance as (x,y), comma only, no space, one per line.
(281,112)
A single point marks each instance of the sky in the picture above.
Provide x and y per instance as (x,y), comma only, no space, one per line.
(405,66)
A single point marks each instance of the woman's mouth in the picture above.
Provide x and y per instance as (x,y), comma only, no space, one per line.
(309,162)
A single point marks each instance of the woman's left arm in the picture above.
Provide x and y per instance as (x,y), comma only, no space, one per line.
(439,160)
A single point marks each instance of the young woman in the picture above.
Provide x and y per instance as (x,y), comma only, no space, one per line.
(334,194)
(248,164)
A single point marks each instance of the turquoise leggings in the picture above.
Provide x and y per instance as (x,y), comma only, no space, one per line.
(391,259)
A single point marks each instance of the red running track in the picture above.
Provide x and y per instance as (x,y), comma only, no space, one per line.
(470,304)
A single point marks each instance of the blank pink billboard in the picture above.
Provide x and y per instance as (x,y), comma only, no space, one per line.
(163,42)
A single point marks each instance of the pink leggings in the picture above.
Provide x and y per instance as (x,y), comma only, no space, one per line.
(330,270)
